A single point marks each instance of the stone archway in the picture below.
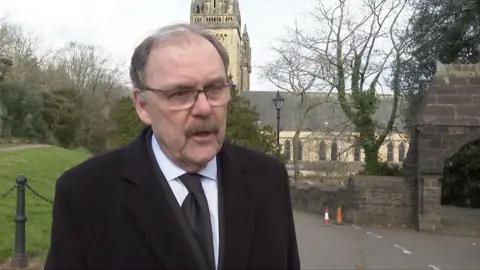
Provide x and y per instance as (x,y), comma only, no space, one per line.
(457,145)
(448,119)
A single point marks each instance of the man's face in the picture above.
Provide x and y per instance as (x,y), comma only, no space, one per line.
(193,63)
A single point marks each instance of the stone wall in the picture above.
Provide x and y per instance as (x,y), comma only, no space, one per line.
(366,200)
(430,204)
(384,200)
(315,198)
(448,118)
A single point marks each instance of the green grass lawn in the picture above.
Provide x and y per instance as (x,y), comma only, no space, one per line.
(42,166)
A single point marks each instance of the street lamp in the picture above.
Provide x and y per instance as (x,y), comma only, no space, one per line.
(278,102)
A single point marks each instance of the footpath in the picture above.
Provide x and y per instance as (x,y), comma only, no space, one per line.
(22,147)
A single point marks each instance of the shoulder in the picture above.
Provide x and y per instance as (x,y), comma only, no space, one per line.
(88,173)
(266,174)
(258,161)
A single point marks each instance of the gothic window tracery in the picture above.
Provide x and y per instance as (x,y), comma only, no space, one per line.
(299,150)
(334,151)
(322,152)
(286,150)
(390,152)
(357,154)
(401,152)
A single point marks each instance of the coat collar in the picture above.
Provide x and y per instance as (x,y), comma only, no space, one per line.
(152,205)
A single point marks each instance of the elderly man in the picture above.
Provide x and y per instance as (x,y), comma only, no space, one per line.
(179,196)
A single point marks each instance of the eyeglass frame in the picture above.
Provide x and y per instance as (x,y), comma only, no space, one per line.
(164,92)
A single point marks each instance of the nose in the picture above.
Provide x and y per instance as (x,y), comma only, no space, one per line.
(202,106)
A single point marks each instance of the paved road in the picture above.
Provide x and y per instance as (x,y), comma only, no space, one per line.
(350,247)
(460,221)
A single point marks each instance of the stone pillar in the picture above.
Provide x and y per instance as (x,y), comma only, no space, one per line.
(430,204)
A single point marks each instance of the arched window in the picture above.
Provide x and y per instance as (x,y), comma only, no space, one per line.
(390,152)
(334,151)
(198,9)
(286,150)
(299,150)
(357,153)
(401,152)
(322,152)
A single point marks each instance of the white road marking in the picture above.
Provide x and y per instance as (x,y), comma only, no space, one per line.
(375,235)
(403,249)
(433,267)
(356,227)
(474,244)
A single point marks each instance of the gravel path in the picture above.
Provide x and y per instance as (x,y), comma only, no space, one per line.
(23,147)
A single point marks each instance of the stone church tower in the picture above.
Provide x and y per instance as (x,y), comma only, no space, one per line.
(224,19)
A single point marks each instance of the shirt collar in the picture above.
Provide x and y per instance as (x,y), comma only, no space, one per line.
(172,171)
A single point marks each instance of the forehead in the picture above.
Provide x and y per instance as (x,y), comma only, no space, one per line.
(190,60)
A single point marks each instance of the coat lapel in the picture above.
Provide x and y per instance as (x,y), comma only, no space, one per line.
(237,203)
(154,210)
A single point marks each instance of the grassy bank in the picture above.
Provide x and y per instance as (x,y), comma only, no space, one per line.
(42,166)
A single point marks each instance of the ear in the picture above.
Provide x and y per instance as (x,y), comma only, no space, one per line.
(141,106)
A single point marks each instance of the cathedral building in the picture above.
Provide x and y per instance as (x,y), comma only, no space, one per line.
(327,136)
(224,19)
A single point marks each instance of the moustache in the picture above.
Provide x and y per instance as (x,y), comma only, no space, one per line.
(202,127)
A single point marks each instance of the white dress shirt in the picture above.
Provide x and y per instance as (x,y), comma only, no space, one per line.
(209,184)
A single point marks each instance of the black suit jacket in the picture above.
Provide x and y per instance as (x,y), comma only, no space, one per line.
(116,211)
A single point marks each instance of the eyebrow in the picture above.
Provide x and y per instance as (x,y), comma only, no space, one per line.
(217,80)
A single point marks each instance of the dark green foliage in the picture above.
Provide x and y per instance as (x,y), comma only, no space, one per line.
(126,124)
(383,169)
(61,115)
(5,67)
(94,135)
(21,112)
(449,32)
(461,179)
(443,30)
(243,128)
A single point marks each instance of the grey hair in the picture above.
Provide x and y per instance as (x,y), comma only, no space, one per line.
(168,34)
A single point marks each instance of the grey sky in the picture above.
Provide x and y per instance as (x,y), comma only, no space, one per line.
(118,25)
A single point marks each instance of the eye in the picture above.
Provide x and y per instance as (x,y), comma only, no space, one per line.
(214,89)
(180,93)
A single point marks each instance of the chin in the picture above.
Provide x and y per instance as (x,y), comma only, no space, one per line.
(202,154)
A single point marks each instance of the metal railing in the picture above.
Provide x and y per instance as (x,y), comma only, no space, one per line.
(19,259)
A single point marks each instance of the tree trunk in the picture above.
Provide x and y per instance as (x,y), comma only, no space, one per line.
(370,145)
(296,170)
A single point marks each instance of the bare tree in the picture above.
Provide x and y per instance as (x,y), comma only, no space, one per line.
(97,78)
(80,80)
(291,73)
(359,52)
(25,49)
(90,69)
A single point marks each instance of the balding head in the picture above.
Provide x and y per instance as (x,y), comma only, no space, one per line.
(169,35)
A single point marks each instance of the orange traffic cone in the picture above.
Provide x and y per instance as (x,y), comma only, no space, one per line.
(339,220)
(326,219)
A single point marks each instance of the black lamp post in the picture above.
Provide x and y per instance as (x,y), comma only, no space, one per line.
(278,101)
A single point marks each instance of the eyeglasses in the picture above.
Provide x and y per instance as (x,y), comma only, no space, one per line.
(178,99)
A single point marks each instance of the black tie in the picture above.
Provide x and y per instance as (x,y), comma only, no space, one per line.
(195,209)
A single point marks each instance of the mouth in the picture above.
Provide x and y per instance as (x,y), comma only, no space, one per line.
(203,136)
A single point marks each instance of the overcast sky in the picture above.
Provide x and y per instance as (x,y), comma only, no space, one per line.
(118,25)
